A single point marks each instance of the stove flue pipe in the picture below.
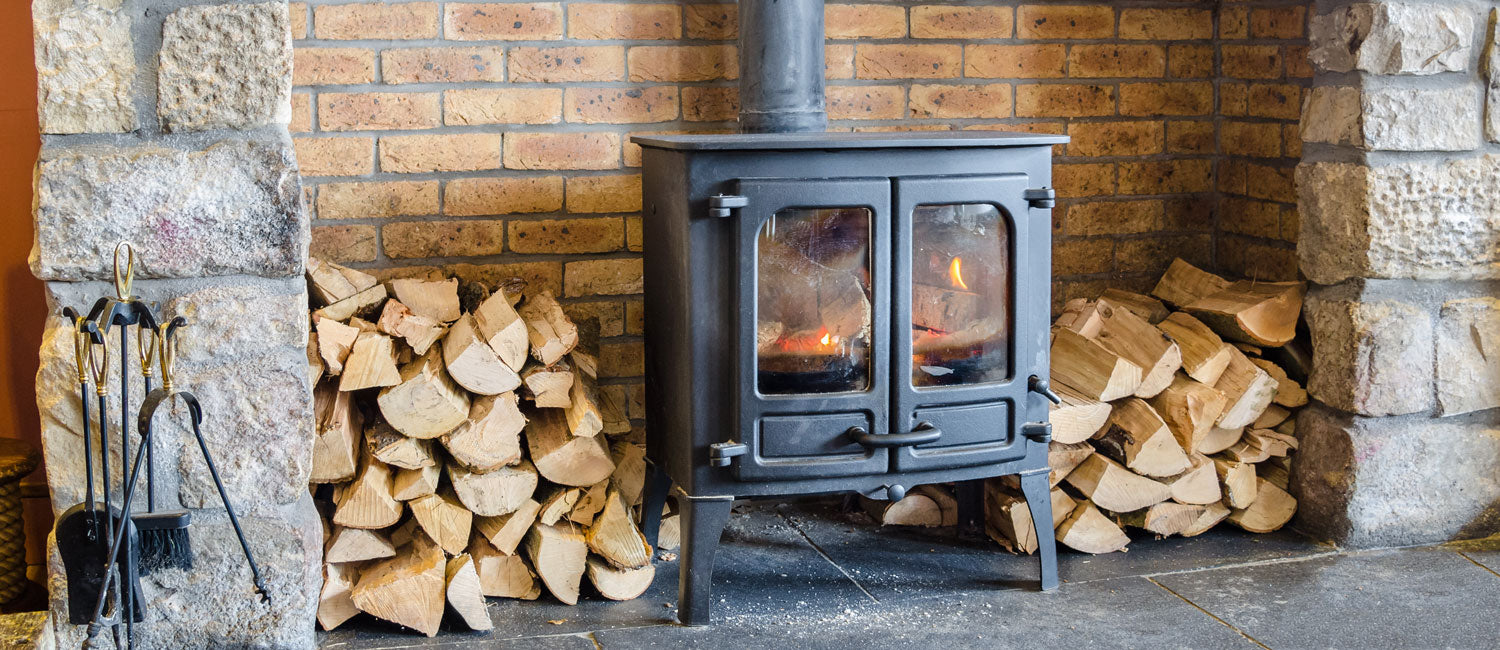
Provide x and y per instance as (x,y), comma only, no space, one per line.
(781,66)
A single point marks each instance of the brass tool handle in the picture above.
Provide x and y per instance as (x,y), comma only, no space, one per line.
(125,277)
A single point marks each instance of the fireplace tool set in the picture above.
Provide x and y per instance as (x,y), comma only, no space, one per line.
(106,547)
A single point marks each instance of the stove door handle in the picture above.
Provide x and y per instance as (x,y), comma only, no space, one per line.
(924,433)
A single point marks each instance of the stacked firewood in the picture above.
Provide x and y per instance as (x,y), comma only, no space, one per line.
(1174,416)
(469,451)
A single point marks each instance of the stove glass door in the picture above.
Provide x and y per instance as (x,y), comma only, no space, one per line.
(960,294)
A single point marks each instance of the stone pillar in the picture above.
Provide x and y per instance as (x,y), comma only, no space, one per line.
(165,125)
(1399,192)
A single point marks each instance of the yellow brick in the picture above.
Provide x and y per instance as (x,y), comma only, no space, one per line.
(1166,176)
(1113,217)
(1117,61)
(635,317)
(612,277)
(1281,101)
(961,101)
(1251,61)
(297,17)
(1082,256)
(866,102)
(621,105)
(503,106)
(562,150)
(317,66)
(412,239)
(710,104)
(334,156)
(1064,100)
(907,61)
(948,21)
(1166,24)
(1258,139)
(558,236)
(372,111)
(1277,22)
(712,22)
(615,193)
(1234,23)
(511,21)
(838,61)
(1065,21)
(608,313)
(374,200)
(622,359)
(1172,98)
(1190,137)
(682,63)
(1046,61)
(1190,61)
(301,113)
(1115,138)
(633,234)
(554,64)
(624,21)
(862,21)
(343,244)
(472,197)
(442,64)
(439,153)
(1081,180)
(376,21)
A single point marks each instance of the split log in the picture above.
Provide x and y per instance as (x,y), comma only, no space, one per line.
(503,575)
(549,386)
(405,533)
(1080,315)
(1063,458)
(1078,418)
(944,309)
(1272,508)
(614,537)
(325,285)
(557,501)
(1008,518)
(1219,439)
(416,483)
(1252,351)
(947,504)
(392,448)
(406,589)
(629,476)
(435,299)
(335,456)
(1184,283)
(315,366)
(1204,354)
(911,510)
(1288,392)
(1277,471)
(371,363)
(612,411)
(445,520)
(420,332)
(473,364)
(1213,514)
(464,593)
(1141,343)
(1115,488)
(563,458)
(615,583)
(1274,415)
(589,504)
(494,493)
(1248,450)
(582,411)
(504,330)
(1238,482)
(1190,409)
(1136,436)
(364,304)
(1091,369)
(559,554)
(1248,389)
(335,341)
(1262,313)
(1164,519)
(490,438)
(669,535)
(357,545)
(1199,485)
(1088,530)
(367,502)
(1276,444)
(426,404)
(334,602)
(550,331)
(506,531)
(1144,306)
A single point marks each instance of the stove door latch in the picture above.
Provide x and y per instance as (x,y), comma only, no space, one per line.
(1041,197)
(720,453)
(722,205)
(1037,431)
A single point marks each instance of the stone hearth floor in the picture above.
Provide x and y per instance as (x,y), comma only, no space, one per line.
(806,575)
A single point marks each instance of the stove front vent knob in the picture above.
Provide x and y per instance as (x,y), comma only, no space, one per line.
(895,492)
(1044,388)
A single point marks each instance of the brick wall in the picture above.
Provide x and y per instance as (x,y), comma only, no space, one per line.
(492,139)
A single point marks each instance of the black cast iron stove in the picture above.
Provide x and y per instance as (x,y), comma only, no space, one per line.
(837,312)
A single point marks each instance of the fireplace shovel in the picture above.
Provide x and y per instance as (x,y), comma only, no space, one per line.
(165,353)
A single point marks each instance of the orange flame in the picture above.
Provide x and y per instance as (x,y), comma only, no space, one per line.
(825,338)
(955,273)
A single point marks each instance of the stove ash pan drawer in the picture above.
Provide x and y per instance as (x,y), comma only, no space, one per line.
(788,447)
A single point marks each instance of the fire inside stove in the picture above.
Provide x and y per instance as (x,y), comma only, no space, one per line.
(814,308)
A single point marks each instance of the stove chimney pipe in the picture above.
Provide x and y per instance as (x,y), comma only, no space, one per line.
(781,66)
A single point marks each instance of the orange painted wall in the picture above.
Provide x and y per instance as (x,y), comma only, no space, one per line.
(20,294)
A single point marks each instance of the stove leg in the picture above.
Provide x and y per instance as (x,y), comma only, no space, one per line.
(703,521)
(1039,497)
(657,486)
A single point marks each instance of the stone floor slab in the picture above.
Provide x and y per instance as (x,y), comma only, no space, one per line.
(1429,598)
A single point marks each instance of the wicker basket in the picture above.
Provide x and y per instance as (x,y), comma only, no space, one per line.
(17,459)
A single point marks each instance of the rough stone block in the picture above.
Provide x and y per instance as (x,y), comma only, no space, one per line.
(1420,119)
(85,64)
(225,67)
(214,604)
(1393,38)
(1468,356)
(1332,115)
(1425,220)
(1370,358)
(1372,482)
(233,208)
(1492,76)
(243,356)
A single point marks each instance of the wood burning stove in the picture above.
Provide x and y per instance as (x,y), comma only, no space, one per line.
(836,312)
(843,312)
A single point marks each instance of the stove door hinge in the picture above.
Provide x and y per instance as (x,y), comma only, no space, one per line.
(1037,431)
(720,453)
(1041,197)
(722,205)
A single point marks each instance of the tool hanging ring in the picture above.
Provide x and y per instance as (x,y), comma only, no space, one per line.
(124,280)
(147,344)
(166,349)
(80,344)
(98,363)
